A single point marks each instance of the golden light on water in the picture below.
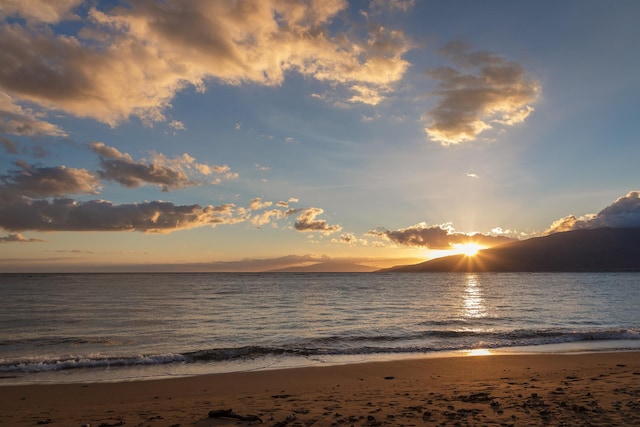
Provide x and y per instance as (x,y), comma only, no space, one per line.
(473,304)
(479,352)
(473,307)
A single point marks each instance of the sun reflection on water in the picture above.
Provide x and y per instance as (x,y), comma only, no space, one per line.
(474,307)
(479,352)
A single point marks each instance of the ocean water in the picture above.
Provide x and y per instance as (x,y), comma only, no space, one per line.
(111,327)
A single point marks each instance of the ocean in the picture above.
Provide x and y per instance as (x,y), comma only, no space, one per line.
(116,327)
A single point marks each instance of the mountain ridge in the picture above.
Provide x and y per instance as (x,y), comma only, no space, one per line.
(586,250)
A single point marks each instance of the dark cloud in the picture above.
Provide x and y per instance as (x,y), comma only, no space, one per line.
(307,221)
(435,237)
(484,91)
(622,213)
(26,204)
(18,238)
(9,146)
(100,215)
(35,182)
(164,172)
(35,149)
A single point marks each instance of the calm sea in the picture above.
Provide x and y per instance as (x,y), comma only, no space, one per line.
(106,327)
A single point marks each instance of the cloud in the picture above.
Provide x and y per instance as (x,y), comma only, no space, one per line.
(177,125)
(257,204)
(17,120)
(435,236)
(65,214)
(159,170)
(131,61)
(268,217)
(19,238)
(9,146)
(35,182)
(622,213)
(484,91)
(365,95)
(101,215)
(36,148)
(46,11)
(351,240)
(471,175)
(307,222)
(380,6)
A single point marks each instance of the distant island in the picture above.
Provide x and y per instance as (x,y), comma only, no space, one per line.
(588,250)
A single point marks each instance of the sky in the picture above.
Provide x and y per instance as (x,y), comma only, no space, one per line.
(255,135)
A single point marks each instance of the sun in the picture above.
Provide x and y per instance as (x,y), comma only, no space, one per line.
(468,249)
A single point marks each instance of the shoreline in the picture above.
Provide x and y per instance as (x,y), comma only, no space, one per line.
(153,372)
(513,389)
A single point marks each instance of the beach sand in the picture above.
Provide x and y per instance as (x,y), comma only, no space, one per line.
(538,389)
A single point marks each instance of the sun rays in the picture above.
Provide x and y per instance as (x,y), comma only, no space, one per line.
(469,249)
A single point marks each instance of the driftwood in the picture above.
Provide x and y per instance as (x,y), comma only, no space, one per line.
(228,413)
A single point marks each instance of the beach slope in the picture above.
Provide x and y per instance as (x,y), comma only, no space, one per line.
(538,389)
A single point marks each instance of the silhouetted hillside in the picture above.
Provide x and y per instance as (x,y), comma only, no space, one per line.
(600,249)
(327,267)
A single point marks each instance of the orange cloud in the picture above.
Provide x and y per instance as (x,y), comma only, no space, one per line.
(17,120)
(132,61)
(435,237)
(484,91)
(45,11)
(307,222)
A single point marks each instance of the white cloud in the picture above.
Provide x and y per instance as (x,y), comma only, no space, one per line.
(177,125)
(622,213)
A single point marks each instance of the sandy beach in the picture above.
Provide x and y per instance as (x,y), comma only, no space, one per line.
(539,389)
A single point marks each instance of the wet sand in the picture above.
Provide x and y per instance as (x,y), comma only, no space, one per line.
(541,389)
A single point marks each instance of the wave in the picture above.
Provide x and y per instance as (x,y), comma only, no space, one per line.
(33,365)
(425,342)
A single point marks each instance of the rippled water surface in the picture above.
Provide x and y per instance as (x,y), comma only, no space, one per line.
(108,323)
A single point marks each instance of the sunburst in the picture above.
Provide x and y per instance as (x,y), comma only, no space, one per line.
(468,249)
